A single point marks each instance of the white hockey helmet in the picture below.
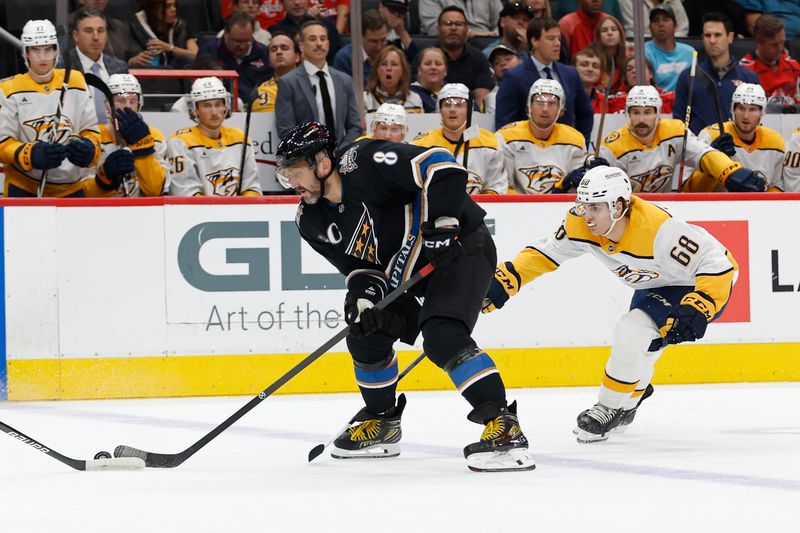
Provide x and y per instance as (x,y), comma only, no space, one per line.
(38,33)
(126,84)
(452,90)
(603,184)
(749,94)
(643,96)
(390,114)
(210,88)
(546,86)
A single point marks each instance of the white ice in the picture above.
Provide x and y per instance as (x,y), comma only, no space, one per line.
(702,458)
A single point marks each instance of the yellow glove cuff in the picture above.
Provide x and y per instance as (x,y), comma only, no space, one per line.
(507,275)
(702,303)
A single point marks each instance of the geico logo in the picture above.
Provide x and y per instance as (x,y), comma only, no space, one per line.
(387,158)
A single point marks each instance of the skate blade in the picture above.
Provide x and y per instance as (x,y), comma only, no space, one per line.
(378,451)
(620,429)
(584,437)
(514,460)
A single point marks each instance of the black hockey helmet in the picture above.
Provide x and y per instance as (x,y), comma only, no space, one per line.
(303,142)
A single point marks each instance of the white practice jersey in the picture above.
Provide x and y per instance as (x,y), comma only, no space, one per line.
(203,166)
(791,168)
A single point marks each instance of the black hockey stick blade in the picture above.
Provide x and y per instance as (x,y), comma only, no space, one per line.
(317,450)
(172,460)
(122,463)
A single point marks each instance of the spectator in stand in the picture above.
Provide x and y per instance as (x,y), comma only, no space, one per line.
(389,83)
(160,37)
(695,9)
(610,7)
(513,28)
(612,49)
(669,58)
(544,39)
(667,97)
(541,8)
(502,59)
(431,72)
(579,27)
(465,63)
(237,50)
(482,16)
(251,7)
(778,73)
(336,11)
(118,31)
(284,56)
(786,10)
(316,92)
(681,20)
(296,15)
(587,63)
(270,12)
(374,33)
(395,13)
(723,69)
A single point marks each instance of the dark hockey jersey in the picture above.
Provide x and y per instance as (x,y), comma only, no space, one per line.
(388,191)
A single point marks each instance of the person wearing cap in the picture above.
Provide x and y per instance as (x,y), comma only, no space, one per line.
(681,20)
(389,123)
(478,151)
(745,140)
(502,58)
(396,12)
(669,58)
(513,28)
(539,152)
(481,16)
(578,27)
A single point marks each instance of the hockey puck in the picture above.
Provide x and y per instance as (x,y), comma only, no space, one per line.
(102,455)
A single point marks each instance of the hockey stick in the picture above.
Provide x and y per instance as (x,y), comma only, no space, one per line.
(317,450)
(64,89)
(171,460)
(121,463)
(686,119)
(603,111)
(468,133)
(711,86)
(100,85)
(245,140)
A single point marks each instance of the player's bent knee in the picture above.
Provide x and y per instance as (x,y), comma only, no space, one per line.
(635,331)
(444,339)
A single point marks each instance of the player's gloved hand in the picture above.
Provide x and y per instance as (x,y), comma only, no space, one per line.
(570,181)
(592,162)
(131,126)
(724,143)
(80,151)
(684,324)
(365,288)
(505,284)
(745,180)
(440,245)
(45,156)
(117,165)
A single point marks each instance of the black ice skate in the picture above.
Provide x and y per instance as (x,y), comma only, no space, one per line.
(503,447)
(596,423)
(630,414)
(371,435)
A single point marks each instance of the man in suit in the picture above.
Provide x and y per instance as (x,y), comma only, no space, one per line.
(314,91)
(544,38)
(118,31)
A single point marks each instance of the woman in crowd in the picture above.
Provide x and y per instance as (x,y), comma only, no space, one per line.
(610,46)
(160,37)
(541,8)
(389,81)
(431,71)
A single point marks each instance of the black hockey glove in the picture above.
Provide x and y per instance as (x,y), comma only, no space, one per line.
(685,324)
(570,181)
(45,156)
(724,143)
(365,288)
(745,180)
(117,165)
(80,152)
(131,126)
(440,245)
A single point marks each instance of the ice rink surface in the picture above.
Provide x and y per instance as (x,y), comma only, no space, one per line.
(721,458)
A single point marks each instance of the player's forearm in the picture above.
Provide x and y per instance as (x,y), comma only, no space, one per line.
(719,165)
(151,174)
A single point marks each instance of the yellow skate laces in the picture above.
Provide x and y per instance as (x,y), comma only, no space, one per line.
(366,430)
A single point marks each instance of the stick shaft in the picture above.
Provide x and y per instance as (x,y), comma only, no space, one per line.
(686,120)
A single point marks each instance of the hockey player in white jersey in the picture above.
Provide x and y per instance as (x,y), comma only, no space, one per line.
(682,279)
(649,149)
(482,150)
(205,159)
(135,164)
(745,140)
(390,123)
(791,165)
(539,152)
(42,135)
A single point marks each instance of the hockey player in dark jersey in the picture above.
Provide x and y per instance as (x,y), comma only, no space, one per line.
(380,211)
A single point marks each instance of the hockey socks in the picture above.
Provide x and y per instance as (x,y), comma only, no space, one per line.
(378,383)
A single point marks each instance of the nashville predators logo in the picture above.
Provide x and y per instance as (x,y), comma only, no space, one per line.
(45,130)
(474,182)
(542,178)
(630,275)
(654,180)
(224,182)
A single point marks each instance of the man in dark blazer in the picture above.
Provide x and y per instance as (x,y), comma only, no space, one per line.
(90,36)
(544,38)
(314,91)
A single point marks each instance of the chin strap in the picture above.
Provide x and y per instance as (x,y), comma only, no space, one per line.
(615,220)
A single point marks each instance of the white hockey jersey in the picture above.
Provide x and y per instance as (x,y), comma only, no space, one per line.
(791,165)
(486,172)
(28,111)
(202,166)
(537,165)
(653,167)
